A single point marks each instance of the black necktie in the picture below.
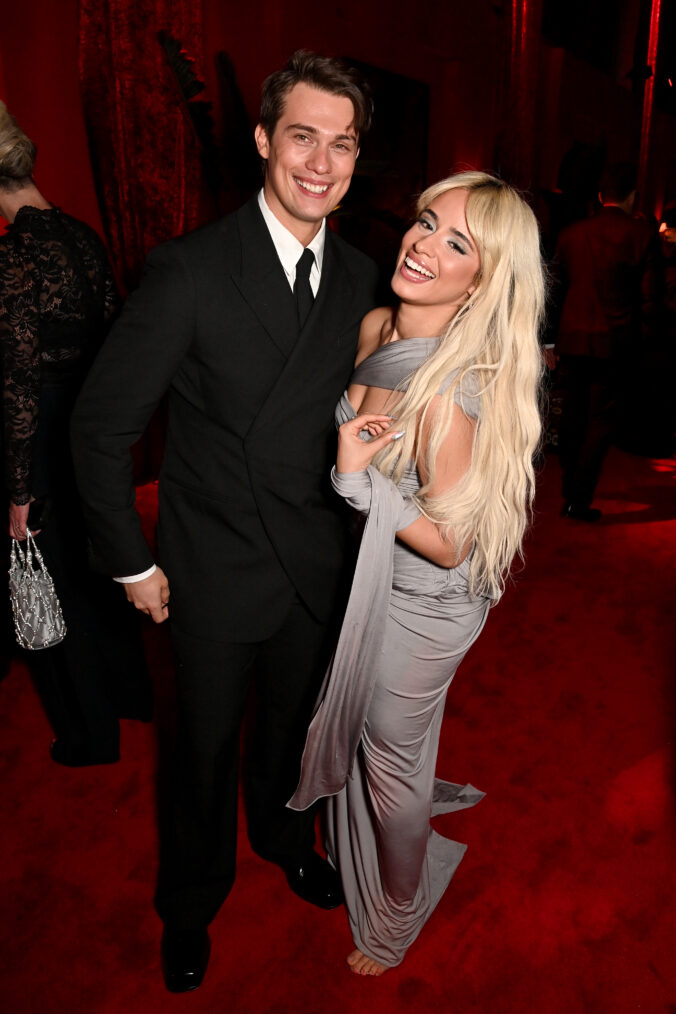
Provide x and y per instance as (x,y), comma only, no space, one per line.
(302,288)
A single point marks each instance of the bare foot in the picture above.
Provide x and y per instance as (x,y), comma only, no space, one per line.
(360,964)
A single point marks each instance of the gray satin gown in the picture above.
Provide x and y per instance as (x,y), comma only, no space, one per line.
(373,741)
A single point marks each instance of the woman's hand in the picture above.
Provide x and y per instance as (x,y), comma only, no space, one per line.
(18,519)
(355,454)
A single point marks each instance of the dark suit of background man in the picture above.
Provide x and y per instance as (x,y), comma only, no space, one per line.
(249,534)
(606,266)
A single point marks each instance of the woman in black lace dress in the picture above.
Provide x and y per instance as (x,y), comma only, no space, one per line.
(57,296)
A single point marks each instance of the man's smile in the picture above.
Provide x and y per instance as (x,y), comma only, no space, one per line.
(318,189)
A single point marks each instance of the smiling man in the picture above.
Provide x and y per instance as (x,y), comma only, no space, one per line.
(310,151)
(251,325)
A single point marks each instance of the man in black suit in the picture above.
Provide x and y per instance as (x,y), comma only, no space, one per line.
(251,325)
(606,267)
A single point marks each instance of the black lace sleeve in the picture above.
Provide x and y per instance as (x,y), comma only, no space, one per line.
(19,322)
(111,302)
(57,298)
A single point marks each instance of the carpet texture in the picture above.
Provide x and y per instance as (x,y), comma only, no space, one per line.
(563,713)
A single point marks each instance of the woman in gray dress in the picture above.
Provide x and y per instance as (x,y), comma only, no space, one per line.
(446,490)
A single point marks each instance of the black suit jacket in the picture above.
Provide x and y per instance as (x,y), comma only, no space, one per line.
(607,271)
(247,517)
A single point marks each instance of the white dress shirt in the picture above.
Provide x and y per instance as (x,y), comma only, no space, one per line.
(289,251)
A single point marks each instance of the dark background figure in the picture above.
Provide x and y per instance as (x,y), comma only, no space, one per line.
(649,429)
(251,538)
(57,296)
(606,267)
(668,242)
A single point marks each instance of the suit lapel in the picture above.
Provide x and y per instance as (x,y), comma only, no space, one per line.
(319,337)
(332,303)
(262,281)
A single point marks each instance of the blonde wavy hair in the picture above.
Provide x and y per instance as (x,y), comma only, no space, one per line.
(492,343)
(17,153)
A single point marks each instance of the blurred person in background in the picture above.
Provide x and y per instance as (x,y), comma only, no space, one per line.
(606,268)
(57,298)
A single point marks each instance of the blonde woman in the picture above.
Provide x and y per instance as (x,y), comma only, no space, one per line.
(439,427)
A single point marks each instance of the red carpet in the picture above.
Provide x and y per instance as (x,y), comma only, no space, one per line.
(565,902)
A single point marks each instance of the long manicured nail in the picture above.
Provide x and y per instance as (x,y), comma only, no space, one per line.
(396,436)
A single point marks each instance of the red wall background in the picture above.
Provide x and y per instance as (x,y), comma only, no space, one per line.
(38,61)
(461,50)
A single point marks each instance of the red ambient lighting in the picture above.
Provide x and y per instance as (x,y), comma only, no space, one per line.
(648,95)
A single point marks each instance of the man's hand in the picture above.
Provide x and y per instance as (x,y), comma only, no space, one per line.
(18,519)
(150,596)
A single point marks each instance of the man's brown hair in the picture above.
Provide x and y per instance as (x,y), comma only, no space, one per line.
(328,74)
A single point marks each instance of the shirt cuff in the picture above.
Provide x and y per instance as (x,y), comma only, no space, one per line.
(136,577)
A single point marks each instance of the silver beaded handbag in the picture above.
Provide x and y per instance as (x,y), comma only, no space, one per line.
(38,619)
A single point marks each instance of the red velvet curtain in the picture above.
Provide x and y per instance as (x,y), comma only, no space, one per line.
(145,157)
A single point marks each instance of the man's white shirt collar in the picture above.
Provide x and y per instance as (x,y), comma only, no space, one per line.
(289,249)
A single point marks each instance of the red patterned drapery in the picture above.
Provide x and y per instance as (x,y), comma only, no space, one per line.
(145,157)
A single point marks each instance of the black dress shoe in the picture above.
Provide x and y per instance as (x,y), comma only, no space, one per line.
(571,510)
(185,956)
(314,879)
